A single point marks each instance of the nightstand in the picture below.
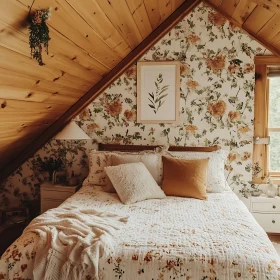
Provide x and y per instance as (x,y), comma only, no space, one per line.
(52,195)
(266,211)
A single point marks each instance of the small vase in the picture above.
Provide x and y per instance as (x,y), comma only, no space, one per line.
(271,190)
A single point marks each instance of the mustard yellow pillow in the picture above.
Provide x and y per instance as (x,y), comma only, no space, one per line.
(185,178)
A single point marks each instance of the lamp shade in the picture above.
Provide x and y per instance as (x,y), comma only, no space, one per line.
(72,132)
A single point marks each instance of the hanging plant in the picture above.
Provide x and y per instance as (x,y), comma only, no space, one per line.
(39,34)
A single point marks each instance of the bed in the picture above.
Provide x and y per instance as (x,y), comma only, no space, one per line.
(172,238)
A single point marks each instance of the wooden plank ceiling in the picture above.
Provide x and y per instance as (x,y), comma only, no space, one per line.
(92,43)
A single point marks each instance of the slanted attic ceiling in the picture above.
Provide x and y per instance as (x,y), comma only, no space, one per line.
(92,43)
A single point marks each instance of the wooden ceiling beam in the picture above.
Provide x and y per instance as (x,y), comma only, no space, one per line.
(271,48)
(267,59)
(97,89)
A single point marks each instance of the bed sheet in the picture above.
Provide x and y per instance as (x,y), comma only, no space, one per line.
(172,238)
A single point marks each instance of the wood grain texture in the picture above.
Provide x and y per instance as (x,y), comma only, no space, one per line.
(120,16)
(270,30)
(261,122)
(152,8)
(138,10)
(28,75)
(257,19)
(243,9)
(273,5)
(229,6)
(94,16)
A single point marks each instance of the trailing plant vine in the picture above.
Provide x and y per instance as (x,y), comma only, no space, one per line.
(39,34)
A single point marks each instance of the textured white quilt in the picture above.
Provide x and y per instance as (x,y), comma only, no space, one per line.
(71,242)
(172,238)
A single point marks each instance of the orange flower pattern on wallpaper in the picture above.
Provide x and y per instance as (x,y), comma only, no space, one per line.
(216,106)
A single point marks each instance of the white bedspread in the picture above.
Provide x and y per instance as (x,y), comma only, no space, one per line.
(71,241)
(172,238)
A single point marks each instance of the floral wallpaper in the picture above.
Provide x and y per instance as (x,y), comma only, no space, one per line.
(216,106)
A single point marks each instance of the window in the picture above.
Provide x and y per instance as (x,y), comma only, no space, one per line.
(266,158)
(274,125)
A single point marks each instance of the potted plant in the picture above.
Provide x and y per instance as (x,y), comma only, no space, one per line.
(49,164)
(39,34)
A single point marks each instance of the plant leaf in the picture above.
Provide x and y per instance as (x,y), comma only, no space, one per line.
(152,106)
(163,90)
(163,96)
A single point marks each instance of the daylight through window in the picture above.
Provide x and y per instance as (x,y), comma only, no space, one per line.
(274,123)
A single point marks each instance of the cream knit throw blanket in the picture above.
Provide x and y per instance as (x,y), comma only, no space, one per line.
(71,242)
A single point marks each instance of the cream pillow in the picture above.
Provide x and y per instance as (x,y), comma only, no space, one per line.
(100,159)
(133,182)
(216,181)
(151,160)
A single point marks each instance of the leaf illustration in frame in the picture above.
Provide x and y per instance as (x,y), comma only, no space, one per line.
(157,99)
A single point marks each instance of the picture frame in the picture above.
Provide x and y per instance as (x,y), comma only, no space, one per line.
(158,92)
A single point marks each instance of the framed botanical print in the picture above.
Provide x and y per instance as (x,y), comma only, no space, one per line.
(158,92)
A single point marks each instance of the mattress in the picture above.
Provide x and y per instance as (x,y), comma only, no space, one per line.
(172,238)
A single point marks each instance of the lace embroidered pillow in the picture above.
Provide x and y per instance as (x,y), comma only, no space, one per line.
(97,161)
(216,181)
(133,182)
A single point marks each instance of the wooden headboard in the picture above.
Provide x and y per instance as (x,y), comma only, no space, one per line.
(129,148)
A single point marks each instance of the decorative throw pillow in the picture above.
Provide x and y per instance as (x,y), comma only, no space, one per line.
(133,182)
(185,178)
(151,160)
(97,162)
(216,181)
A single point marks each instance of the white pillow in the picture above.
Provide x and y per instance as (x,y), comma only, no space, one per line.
(151,160)
(100,159)
(133,182)
(216,181)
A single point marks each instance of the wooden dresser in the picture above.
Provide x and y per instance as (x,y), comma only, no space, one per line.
(53,195)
